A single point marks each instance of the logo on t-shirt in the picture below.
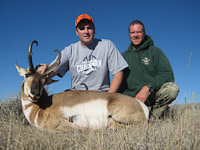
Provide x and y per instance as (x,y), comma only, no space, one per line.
(88,65)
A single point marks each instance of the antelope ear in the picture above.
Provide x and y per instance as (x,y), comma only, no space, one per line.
(50,81)
(20,70)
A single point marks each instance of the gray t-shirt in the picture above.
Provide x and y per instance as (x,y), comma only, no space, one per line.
(90,66)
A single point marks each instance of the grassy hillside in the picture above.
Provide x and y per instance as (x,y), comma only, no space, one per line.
(181,130)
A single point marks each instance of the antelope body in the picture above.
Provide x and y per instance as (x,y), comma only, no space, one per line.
(74,109)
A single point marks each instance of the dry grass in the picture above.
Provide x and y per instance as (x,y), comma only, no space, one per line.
(182,131)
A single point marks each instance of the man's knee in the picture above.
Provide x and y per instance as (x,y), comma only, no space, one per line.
(172,90)
(166,94)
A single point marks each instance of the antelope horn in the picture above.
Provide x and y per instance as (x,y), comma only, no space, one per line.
(31,68)
(55,64)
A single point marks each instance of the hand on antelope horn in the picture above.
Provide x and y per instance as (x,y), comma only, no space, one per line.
(42,68)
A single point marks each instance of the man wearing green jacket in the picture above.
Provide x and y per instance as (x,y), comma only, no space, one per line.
(149,77)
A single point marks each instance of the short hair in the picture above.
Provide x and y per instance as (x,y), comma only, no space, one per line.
(137,22)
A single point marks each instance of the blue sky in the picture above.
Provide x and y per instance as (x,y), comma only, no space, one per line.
(173,25)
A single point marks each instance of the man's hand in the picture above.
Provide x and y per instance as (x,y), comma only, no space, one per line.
(42,68)
(143,94)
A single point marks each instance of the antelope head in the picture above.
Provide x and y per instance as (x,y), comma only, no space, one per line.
(34,81)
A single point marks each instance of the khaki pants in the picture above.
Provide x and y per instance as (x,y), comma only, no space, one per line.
(159,100)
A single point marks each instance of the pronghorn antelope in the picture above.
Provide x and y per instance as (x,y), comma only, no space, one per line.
(74,109)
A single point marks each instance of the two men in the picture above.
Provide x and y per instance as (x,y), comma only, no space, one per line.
(149,77)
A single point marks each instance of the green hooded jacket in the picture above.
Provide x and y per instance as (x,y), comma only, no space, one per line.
(147,65)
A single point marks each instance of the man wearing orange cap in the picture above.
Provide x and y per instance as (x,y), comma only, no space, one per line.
(90,60)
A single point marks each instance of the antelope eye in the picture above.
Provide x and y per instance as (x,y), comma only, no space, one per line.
(27,75)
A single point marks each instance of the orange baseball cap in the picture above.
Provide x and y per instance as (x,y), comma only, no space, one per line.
(81,17)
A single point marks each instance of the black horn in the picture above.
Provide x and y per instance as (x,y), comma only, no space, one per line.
(55,64)
(31,68)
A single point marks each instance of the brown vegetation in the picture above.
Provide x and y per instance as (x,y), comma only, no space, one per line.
(180,130)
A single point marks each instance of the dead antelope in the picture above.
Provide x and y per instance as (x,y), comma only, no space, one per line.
(74,109)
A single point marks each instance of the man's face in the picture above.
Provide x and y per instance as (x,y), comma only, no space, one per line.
(85,31)
(136,34)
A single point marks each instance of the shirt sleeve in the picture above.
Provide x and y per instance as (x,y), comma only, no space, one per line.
(164,73)
(116,62)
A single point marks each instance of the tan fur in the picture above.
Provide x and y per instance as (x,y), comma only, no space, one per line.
(123,109)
